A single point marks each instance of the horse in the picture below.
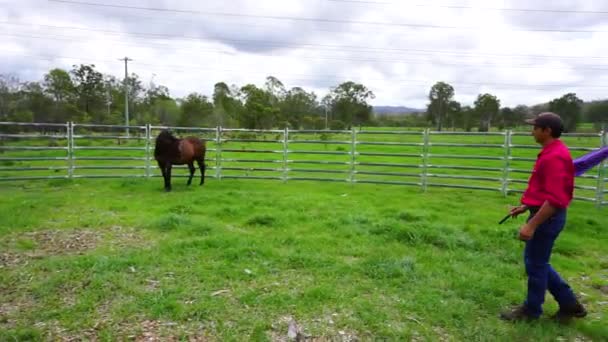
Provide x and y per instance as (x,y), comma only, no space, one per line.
(170,150)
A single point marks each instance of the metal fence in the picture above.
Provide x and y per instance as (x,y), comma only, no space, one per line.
(353,160)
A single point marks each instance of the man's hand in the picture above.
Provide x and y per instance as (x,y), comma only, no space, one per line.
(526,232)
(515,211)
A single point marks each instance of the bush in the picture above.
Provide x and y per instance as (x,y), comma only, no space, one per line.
(337,125)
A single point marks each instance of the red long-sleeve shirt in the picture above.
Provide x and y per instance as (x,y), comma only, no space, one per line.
(552,179)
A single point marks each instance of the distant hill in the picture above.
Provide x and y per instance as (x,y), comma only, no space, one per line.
(395,110)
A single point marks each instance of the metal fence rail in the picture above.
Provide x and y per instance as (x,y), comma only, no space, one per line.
(292,156)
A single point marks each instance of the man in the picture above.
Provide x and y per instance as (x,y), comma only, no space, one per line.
(550,191)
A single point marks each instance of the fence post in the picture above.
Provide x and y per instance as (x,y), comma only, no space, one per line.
(218,153)
(507,164)
(148,161)
(353,152)
(425,157)
(285,151)
(70,138)
(599,189)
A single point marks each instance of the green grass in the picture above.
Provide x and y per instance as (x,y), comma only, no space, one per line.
(235,260)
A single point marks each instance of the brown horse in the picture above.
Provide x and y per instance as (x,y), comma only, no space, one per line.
(170,151)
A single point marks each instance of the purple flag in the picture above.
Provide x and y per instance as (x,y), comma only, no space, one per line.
(589,160)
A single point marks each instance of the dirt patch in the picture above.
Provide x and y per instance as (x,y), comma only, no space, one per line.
(8,310)
(287,329)
(19,249)
(144,331)
(602,288)
(152,331)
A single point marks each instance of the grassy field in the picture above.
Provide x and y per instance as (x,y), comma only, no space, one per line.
(240,259)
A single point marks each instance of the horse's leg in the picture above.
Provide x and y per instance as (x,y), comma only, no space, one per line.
(192,169)
(168,177)
(161,166)
(201,164)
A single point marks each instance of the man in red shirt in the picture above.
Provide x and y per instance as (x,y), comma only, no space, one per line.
(550,191)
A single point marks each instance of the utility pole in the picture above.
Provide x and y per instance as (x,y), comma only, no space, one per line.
(108,96)
(126,59)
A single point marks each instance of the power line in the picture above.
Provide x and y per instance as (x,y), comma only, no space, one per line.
(409,61)
(330,47)
(73,39)
(305,19)
(536,10)
(413,82)
(240,23)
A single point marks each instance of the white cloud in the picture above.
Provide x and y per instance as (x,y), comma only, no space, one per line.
(492,52)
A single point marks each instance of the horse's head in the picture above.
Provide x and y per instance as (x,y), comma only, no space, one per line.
(166,144)
(166,137)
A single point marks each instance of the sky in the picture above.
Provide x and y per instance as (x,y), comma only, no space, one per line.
(522,51)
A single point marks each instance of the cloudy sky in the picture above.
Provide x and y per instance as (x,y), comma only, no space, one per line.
(525,52)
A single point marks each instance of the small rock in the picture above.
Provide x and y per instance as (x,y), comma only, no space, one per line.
(293,331)
(216,293)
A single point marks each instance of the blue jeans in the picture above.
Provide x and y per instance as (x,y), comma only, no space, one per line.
(541,276)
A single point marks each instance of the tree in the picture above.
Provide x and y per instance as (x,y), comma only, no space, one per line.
(348,103)
(597,113)
(454,113)
(520,113)
(539,108)
(35,102)
(226,104)
(22,116)
(9,87)
(90,90)
(467,118)
(258,111)
(196,110)
(297,104)
(511,118)
(157,107)
(136,93)
(569,107)
(503,117)
(59,85)
(315,122)
(440,96)
(486,108)
(275,88)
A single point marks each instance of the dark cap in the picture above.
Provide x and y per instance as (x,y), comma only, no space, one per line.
(547,119)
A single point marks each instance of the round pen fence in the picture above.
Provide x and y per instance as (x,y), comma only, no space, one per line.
(494,161)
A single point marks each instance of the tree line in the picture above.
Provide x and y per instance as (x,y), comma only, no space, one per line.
(444,112)
(85,95)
